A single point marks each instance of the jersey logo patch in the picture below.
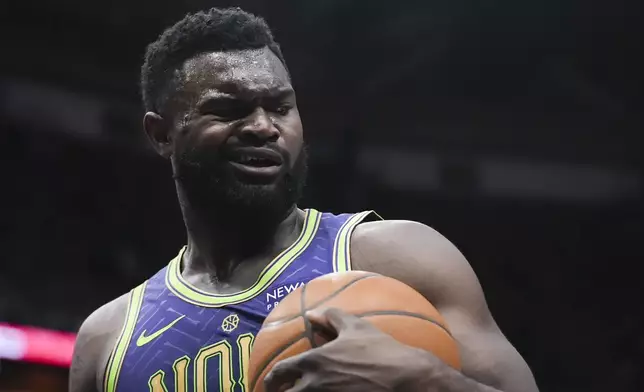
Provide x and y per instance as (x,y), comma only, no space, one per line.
(143,340)
(230,323)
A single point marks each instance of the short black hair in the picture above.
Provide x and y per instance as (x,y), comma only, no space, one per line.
(206,31)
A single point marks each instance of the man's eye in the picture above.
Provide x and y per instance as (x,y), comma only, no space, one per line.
(229,113)
(283,110)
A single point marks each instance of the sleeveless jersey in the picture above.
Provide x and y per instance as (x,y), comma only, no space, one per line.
(179,338)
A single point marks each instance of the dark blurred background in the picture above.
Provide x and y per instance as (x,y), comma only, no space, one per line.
(513,127)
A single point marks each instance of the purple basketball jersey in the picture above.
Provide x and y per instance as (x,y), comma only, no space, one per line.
(179,338)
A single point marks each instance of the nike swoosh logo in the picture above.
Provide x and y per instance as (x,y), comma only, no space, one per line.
(143,340)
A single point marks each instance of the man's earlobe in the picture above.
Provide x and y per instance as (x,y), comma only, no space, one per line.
(159,133)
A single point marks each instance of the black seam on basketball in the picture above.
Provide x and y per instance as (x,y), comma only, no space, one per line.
(320,302)
(277,352)
(402,313)
(308,328)
(338,291)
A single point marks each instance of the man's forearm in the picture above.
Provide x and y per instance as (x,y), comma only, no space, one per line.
(442,378)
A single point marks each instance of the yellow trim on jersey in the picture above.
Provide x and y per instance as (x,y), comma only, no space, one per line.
(115,362)
(342,245)
(189,293)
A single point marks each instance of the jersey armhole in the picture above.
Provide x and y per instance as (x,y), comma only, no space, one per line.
(115,361)
(342,244)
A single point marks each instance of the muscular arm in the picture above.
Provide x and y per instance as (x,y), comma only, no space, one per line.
(419,256)
(93,345)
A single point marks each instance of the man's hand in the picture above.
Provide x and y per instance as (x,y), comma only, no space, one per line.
(361,358)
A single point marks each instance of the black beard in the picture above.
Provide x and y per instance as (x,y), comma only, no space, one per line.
(215,192)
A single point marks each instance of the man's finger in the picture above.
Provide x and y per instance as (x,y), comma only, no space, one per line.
(332,318)
(303,384)
(285,374)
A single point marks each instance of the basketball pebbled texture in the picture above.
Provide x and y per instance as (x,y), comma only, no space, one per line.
(390,305)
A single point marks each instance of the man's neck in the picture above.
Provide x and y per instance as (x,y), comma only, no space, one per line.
(218,246)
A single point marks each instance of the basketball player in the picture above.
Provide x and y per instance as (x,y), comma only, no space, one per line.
(221,108)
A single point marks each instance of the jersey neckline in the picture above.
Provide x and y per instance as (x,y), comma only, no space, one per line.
(189,293)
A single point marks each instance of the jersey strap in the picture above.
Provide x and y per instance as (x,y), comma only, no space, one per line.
(342,245)
(118,353)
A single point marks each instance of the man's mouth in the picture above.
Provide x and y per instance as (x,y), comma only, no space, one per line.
(254,161)
(257,162)
(257,158)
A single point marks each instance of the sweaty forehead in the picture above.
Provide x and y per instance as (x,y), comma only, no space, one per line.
(235,72)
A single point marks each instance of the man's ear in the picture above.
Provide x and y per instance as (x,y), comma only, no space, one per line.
(159,132)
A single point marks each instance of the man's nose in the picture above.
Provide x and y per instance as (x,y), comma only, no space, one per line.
(259,128)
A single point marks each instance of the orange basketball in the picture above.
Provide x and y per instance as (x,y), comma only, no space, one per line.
(390,305)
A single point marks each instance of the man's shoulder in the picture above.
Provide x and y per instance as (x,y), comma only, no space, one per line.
(405,250)
(105,318)
(380,241)
(386,232)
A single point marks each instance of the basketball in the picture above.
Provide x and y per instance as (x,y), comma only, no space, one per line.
(390,305)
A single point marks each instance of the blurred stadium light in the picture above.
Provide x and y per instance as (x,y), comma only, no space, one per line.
(37,345)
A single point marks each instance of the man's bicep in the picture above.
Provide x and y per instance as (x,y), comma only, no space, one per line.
(419,256)
(93,345)
(486,354)
(83,371)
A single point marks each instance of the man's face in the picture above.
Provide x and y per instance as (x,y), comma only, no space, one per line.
(237,136)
